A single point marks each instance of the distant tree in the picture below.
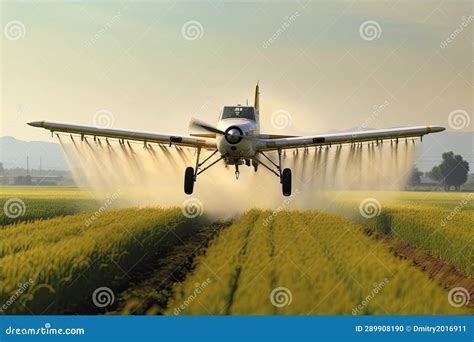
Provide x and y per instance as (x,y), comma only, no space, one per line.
(452,171)
(435,174)
(415,177)
(2,170)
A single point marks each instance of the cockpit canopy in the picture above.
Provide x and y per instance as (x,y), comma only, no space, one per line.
(236,112)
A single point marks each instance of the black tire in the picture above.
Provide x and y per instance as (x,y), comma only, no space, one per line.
(286,182)
(189,181)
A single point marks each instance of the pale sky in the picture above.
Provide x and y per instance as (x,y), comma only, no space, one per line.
(67,61)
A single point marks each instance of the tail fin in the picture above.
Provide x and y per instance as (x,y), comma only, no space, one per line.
(256,102)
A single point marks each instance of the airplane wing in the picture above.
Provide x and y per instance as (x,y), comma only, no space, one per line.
(347,137)
(126,135)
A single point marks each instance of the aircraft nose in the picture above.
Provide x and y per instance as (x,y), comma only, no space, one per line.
(233,135)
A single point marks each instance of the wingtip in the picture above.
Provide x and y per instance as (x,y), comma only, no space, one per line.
(35,123)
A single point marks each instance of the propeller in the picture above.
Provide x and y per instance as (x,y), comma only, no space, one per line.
(232,134)
(198,124)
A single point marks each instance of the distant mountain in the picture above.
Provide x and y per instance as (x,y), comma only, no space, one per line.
(13,153)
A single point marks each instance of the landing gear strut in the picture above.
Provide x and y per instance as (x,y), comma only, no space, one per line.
(284,175)
(190,175)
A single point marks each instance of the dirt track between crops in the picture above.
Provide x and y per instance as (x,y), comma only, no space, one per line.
(443,273)
(152,287)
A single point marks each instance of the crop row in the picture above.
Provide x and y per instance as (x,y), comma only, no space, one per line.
(304,263)
(63,260)
(440,224)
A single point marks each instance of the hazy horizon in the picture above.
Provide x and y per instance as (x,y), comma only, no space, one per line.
(151,66)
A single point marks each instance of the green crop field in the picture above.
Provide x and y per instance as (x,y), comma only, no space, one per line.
(34,203)
(65,259)
(64,244)
(323,263)
(438,223)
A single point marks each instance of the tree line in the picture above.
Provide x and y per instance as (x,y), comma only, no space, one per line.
(451,173)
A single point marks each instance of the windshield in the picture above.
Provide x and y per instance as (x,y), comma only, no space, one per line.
(238,112)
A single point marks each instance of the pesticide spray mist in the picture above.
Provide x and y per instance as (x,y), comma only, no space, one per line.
(155,175)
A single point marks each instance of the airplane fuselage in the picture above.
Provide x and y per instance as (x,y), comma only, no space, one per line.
(235,148)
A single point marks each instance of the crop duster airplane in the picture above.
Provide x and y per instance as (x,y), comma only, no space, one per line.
(237,140)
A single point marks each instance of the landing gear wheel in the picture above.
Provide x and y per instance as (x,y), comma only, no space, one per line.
(189,181)
(286,182)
